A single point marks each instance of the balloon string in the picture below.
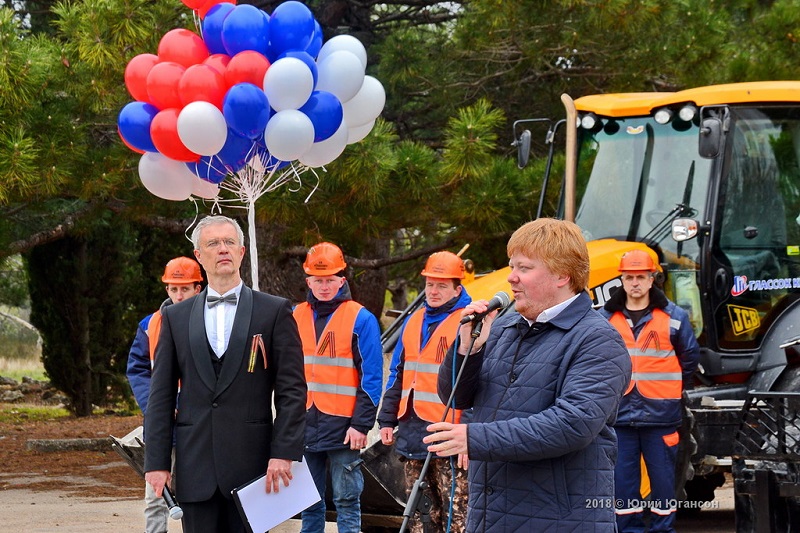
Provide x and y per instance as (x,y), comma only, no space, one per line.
(194,221)
(316,186)
(196,19)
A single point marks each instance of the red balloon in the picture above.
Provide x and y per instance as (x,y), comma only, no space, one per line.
(126,143)
(194,4)
(248,66)
(218,62)
(183,47)
(202,83)
(164,132)
(136,75)
(211,3)
(162,85)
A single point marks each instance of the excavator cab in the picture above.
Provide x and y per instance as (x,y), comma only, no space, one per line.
(709,179)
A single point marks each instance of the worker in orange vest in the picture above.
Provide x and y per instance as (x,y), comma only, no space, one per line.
(182,279)
(411,401)
(664,355)
(344,372)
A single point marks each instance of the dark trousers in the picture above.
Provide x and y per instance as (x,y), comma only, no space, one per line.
(658,446)
(216,515)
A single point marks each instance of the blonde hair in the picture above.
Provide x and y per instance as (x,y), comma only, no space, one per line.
(556,243)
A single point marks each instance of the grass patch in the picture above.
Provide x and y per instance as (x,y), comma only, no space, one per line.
(18,368)
(16,414)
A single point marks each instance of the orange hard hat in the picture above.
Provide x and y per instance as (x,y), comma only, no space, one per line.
(637,260)
(324,259)
(446,265)
(182,270)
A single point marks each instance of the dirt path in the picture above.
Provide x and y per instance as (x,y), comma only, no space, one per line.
(50,491)
(72,491)
(27,511)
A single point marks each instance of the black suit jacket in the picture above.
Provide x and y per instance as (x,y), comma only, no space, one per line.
(225,432)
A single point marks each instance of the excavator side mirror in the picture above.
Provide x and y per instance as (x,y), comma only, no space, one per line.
(684,229)
(710,137)
(523,145)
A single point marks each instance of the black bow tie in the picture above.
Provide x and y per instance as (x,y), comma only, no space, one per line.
(214,300)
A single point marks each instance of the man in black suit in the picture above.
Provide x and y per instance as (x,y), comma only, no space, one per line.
(232,349)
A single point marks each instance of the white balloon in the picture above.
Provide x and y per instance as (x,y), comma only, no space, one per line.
(288,83)
(202,128)
(366,105)
(341,73)
(323,152)
(205,189)
(165,177)
(359,132)
(289,134)
(343,42)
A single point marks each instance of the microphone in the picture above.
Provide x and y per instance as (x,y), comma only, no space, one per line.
(501,300)
(175,511)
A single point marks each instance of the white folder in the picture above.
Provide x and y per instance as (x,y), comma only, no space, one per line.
(262,511)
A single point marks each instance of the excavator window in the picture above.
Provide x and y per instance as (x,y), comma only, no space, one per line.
(758,236)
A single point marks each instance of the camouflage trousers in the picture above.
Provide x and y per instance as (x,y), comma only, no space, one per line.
(439,478)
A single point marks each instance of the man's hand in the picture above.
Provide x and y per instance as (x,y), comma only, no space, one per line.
(387,436)
(465,332)
(447,439)
(355,438)
(278,470)
(157,479)
(463,461)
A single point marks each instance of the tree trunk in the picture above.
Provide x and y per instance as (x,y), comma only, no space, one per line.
(83,398)
(278,273)
(369,285)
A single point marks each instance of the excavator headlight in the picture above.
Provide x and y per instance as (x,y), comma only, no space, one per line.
(687,113)
(589,121)
(663,116)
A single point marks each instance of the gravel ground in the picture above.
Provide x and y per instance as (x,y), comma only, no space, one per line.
(97,492)
(51,511)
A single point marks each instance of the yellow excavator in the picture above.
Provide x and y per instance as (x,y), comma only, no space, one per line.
(707,180)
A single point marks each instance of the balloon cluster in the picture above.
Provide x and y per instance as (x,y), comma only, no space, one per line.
(254,91)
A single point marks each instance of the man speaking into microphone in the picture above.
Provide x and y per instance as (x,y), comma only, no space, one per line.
(544,383)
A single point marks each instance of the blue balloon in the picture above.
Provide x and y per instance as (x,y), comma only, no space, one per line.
(315,45)
(291,27)
(235,152)
(212,27)
(134,125)
(246,110)
(325,111)
(208,169)
(306,58)
(245,28)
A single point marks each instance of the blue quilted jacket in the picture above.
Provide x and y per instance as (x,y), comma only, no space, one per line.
(541,444)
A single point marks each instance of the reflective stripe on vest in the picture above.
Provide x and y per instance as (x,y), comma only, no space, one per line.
(153,331)
(656,371)
(421,368)
(330,372)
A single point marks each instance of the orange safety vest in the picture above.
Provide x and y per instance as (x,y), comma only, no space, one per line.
(656,371)
(421,369)
(331,375)
(153,331)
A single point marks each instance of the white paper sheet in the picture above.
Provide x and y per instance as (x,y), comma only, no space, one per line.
(264,511)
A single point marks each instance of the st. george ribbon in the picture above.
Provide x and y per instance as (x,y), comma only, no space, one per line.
(501,300)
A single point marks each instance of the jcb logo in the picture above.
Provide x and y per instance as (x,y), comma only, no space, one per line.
(743,319)
(602,293)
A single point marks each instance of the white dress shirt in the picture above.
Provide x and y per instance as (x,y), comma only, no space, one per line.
(551,312)
(219,320)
